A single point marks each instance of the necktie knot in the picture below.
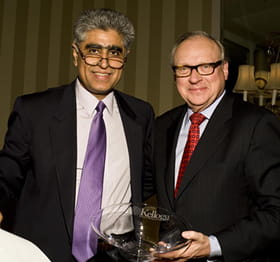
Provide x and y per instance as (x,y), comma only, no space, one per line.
(197,118)
(100,107)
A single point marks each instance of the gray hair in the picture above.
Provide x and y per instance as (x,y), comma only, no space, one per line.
(193,34)
(103,19)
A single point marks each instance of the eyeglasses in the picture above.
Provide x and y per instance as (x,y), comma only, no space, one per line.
(203,69)
(114,59)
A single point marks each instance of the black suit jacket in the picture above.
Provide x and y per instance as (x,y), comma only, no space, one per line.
(38,163)
(231,187)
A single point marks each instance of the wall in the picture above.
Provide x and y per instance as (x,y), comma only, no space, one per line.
(35,45)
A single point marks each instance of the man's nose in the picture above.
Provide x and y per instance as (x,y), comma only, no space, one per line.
(104,62)
(194,76)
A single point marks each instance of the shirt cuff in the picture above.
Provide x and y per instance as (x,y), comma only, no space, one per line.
(215,248)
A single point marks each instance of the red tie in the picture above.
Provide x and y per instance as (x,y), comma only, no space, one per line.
(193,137)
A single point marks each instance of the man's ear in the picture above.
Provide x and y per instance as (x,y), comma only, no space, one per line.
(225,69)
(75,55)
(1,217)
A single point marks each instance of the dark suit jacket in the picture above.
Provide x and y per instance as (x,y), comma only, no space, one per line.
(231,187)
(38,163)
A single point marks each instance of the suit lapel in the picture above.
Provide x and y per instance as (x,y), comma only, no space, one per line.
(64,140)
(171,143)
(214,134)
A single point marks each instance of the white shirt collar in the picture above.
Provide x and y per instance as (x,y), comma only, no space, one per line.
(207,112)
(88,102)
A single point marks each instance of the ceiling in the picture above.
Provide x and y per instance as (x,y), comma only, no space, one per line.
(254,20)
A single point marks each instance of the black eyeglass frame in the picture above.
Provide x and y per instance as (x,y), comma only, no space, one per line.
(214,65)
(84,57)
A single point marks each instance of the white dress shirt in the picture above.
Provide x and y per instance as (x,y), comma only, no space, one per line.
(116,183)
(16,249)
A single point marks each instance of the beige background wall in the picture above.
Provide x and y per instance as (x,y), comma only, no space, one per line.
(35,45)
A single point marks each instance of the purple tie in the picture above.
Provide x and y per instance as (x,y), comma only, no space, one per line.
(90,191)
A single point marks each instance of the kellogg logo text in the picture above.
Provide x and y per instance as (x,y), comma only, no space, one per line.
(153,215)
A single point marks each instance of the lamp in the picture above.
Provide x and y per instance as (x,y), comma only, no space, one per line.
(246,81)
(262,79)
(257,81)
(273,84)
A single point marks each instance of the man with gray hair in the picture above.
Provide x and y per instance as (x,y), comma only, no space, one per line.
(217,161)
(74,149)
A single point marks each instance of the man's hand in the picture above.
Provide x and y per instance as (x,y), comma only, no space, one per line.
(199,247)
(1,217)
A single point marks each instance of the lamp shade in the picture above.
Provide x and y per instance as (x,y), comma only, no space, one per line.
(246,81)
(274,79)
(273,84)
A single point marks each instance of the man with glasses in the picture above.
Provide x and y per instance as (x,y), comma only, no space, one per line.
(47,147)
(217,161)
